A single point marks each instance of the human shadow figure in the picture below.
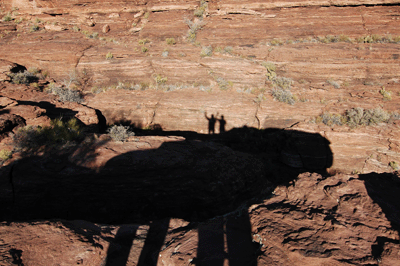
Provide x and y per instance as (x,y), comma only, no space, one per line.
(196,180)
(222,124)
(211,123)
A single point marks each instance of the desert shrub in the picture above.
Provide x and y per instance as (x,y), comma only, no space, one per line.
(5,155)
(165,53)
(144,49)
(170,41)
(276,42)
(143,41)
(160,79)
(335,84)
(283,95)
(394,165)
(228,49)
(7,17)
(387,95)
(119,132)
(109,56)
(282,82)
(25,77)
(331,119)
(354,116)
(206,51)
(375,116)
(271,68)
(194,26)
(201,9)
(66,94)
(359,116)
(34,28)
(91,35)
(223,84)
(31,138)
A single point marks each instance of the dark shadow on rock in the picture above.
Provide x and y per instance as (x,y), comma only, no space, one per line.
(118,252)
(202,177)
(17,256)
(384,190)
(52,111)
(154,241)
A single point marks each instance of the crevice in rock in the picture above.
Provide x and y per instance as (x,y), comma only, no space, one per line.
(82,55)
(155,110)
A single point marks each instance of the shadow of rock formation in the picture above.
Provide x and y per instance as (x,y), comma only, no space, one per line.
(196,179)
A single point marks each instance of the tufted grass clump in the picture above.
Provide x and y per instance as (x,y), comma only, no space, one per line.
(120,132)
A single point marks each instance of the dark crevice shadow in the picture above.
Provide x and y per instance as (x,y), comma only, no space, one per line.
(202,177)
(384,190)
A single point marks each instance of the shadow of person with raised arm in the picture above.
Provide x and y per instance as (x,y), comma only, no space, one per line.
(211,123)
(222,124)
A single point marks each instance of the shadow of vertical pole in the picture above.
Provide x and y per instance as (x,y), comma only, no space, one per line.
(118,252)
(210,250)
(154,241)
(241,249)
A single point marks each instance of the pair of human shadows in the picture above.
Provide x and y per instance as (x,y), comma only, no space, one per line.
(212,121)
(120,247)
(241,250)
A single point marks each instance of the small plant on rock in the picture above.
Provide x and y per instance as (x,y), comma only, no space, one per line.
(170,41)
(120,133)
(5,155)
(65,94)
(387,95)
(109,56)
(7,17)
(206,51)
(394,165)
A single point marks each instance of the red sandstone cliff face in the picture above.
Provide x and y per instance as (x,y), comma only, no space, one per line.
(338,54)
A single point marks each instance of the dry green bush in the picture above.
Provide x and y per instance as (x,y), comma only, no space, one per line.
(120,133)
